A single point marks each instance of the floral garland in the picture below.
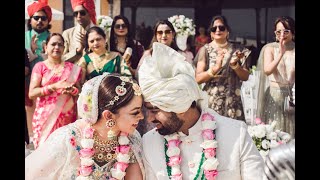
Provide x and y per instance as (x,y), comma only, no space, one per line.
(208,157)
(118,171)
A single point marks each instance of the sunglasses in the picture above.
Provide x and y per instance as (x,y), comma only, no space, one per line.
(214,28)
(165,32)
(43,18)
(82,13)
(118,26)
(285,32)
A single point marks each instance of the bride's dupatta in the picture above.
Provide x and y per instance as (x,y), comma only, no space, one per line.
(55,110)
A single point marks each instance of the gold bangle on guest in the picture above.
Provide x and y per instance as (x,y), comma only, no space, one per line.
(237,66)
(210,72)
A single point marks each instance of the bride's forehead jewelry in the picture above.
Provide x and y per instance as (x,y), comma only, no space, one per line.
(121,90)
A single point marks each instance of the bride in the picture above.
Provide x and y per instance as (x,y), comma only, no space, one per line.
(103,143)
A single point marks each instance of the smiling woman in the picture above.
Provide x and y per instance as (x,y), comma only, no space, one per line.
(103,143)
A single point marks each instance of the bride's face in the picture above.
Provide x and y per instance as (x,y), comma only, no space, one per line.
(128,116)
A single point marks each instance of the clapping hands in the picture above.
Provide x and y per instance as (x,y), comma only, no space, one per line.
(79,38)
(236,57)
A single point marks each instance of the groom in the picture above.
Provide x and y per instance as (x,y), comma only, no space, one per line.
(190,140)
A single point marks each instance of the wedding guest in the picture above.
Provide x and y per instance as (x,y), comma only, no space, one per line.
(190,141)
(38,30)
(103,143)
(98,59)
(84,14)
(201,39)
(121,38)
(277,66)
(55,85)
(221,67)
(38,26)
(163,32)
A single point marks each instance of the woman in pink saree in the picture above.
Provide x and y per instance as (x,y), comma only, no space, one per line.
(55,84)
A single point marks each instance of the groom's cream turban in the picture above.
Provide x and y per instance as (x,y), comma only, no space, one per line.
(168,81)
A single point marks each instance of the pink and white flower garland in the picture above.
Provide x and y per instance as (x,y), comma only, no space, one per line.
(209,146)
(118,171)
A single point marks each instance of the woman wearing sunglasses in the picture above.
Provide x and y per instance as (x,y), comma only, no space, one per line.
(277,66)
(121,39)
(163,32)
(98,59)
(222,66)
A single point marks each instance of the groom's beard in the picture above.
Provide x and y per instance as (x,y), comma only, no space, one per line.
(171,126)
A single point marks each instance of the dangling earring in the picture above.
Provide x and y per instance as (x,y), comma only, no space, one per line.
(110,124)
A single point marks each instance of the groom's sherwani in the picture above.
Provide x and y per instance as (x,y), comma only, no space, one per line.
(238,156)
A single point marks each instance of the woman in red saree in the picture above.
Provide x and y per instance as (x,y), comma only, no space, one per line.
(55,84)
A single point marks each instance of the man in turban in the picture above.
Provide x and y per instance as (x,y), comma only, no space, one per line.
(38,30)
(190,141)
(85,16)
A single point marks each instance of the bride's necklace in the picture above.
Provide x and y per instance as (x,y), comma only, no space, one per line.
(105,151)
(208,158)
(87,153)
(221,45)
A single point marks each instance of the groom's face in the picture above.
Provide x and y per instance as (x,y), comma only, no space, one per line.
(166,122)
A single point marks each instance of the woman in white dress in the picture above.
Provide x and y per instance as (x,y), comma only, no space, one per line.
(277,66)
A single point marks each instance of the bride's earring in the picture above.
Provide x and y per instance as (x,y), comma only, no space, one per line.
(110,124)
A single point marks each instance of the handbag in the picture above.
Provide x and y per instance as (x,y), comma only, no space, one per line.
(288,105)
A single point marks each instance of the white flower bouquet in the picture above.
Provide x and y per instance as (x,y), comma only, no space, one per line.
(182,25)
(265,137)
(105,22)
